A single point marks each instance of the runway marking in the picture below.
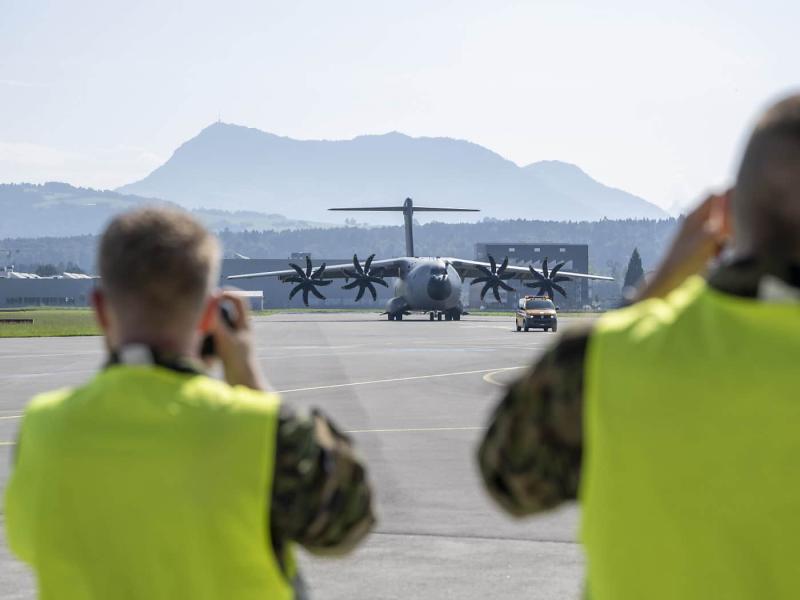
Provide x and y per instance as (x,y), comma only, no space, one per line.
(50,374)
(489,378)
(18,356)
(396,380)
(10,417)
(414,429)
(7,443)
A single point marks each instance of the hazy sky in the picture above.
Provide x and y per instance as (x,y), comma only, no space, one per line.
(654,99)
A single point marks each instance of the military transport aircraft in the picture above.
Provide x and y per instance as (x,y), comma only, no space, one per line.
(423,284)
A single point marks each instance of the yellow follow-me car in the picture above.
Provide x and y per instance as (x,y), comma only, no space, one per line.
(536,312)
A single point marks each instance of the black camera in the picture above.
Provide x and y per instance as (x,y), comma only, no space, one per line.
(226,313)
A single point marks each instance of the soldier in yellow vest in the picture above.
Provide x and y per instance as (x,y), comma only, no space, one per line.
(153,480)
(675,421)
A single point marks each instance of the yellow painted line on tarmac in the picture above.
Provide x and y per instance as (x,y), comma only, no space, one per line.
(490,377)
(396,380)
(415,429)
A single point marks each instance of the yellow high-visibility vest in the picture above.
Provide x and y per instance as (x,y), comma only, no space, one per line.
(692,449)
(147,483)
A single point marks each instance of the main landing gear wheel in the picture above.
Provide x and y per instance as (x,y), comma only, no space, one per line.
(439,316)
(526,328)
(432,316)
(456,316)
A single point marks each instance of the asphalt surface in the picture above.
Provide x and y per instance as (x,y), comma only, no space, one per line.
(415,395)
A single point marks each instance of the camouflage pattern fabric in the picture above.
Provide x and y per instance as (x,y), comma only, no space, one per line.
(321,497)
(530,457)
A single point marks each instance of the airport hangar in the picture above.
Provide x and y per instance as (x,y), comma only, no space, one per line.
(18,292)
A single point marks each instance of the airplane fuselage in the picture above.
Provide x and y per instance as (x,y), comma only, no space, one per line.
(426,285)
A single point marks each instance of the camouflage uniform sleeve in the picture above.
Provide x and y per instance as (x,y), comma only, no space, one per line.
(321,497)
(530,457)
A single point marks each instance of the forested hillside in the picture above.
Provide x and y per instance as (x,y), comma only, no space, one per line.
(60,209)
(610,242)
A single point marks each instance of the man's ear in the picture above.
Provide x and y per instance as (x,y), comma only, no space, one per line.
(100,306)
(208,319)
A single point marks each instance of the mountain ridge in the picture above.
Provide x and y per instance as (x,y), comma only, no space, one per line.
(234,167)
(60,209)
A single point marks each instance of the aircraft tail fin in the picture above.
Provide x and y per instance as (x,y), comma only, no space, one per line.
(408,209)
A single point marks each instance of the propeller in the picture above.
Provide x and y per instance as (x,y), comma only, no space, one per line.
(494,278)
(548,282)
(308,281)
(364,278)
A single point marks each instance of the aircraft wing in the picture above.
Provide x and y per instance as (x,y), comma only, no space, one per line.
(469,268)
(388,267)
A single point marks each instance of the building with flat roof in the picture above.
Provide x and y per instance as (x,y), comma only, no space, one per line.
(23,293)
(576,257)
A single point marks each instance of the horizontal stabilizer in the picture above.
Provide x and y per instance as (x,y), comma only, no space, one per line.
(402,208)
(408,209)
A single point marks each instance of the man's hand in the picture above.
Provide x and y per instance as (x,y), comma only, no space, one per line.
(234,345)
(702,236)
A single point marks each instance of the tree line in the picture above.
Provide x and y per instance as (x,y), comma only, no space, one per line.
(611,242)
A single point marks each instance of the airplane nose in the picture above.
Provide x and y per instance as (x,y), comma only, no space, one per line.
(439,288)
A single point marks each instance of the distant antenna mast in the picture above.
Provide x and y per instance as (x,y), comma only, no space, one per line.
(408,209)
(219,116)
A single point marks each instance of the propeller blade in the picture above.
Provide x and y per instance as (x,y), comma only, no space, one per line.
(368,263)
(316,292)
(484,290)
(479,280)
(294,291)
(308,266)
(298,269)
(379,281)
(372,291)
(556,269)
(326,282)
(503,267)
(496,294)
(558,278)
(484,270)
(493,262)
(536,275)
(360,293)
(544,268)
(305,296)
(293,279)
(351,285)
(506,287)
(357,265)
(319,272)
(559,289)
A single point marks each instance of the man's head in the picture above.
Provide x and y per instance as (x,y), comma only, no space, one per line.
(766,201)
(158,270)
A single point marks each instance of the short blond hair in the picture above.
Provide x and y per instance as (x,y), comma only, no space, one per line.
(159,262)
